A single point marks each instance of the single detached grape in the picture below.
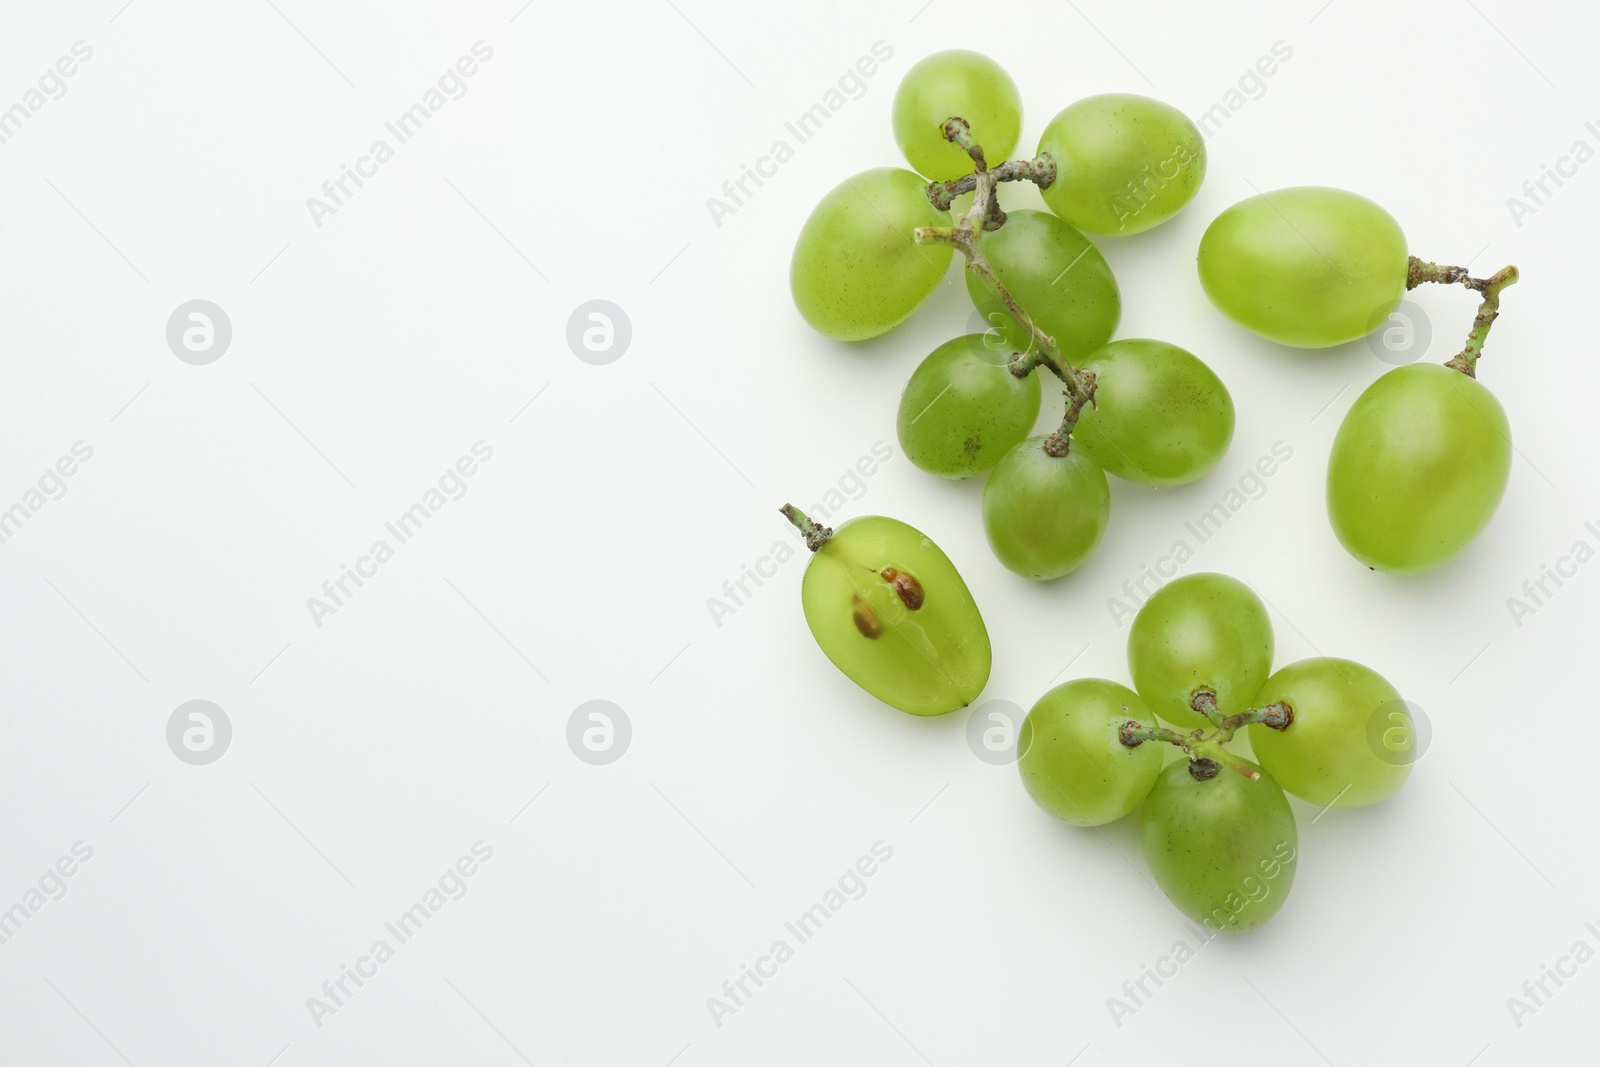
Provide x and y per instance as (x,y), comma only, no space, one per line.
(1201,631)
(1307,266)
(955,84)
(1044,514)
(1124,163)
(1057,276)
(1326,754)
(1161,416)
(1073,764)
(1223,849)
(1417,468)
(891,612)
(856,271)
(963,409)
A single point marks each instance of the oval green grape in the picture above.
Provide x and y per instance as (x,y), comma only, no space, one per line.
(1057,275)
(1045,514)
(1418,468)
(1160,417)
(1223,849)
(1308,266)
(1325,754)
(955,84)
(856,271)
(1072,762)
(1201,631)
(1124,163)
(963,409)
(890,610)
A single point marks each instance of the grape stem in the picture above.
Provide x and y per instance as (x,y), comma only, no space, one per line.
(1420,271)
(816,535)
(985,214)
(1204,748)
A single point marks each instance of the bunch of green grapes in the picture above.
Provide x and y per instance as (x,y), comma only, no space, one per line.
(1218,833)
(881,242)
(1421,461)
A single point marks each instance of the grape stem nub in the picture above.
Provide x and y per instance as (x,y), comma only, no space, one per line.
(1205,749)
(816,535)
(985,214)
(1419,271)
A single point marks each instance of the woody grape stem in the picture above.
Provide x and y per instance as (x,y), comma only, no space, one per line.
(1419,271)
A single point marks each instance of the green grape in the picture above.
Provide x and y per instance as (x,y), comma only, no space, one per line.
(955,84)
(1223,849)
(1307,266)
(1057,276)
(1325,754)
(1161,416)
(891,612)
(963,409)
(856,271)
(1073,764)
(1417,468)
(1201,631)
(1044,514)
(1124,163)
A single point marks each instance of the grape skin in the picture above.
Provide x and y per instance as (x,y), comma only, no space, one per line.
(955,84)
(963,409)
(1072,762)
(1325,754)
(856,271)
(1124,163)
(1418,468)
(1058,277)
(1308,266)
(1223,850)
(1200,631)
(1160,417)
(1045,514)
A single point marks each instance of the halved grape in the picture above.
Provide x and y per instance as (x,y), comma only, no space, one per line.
(1072,762)
(1124,163)
(1201,631)
(1308,266)
(891,612)
(963,409)
(1325,754)
(1223,849)
(856,271)
(955,84)
(1160,417)
(1057,275)
(1417,468)
(1044,514)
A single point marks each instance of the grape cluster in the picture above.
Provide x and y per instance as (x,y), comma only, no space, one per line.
(879,245)
(1218,834)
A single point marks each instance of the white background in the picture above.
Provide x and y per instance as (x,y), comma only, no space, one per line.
(371,752)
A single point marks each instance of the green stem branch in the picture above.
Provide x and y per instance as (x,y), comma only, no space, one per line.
(815,534)
(1420,271)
